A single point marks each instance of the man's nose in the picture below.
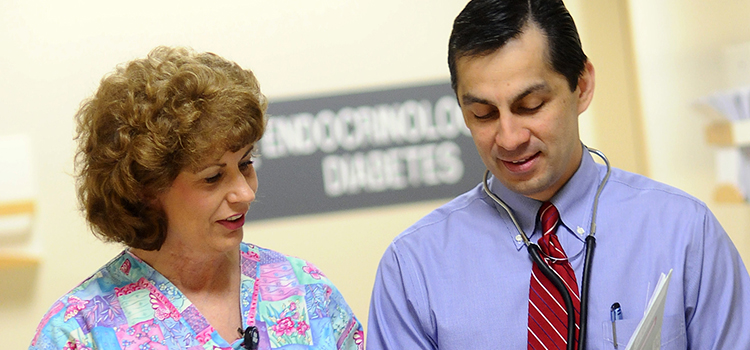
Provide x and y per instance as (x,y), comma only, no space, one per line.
(511,133)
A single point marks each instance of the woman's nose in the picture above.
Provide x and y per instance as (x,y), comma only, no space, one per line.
(241,190)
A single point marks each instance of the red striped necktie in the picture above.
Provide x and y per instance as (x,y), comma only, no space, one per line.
(548,319)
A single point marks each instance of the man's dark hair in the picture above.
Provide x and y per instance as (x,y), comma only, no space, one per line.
(486,25)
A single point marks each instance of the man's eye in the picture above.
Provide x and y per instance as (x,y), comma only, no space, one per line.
(530,109)
(483,115)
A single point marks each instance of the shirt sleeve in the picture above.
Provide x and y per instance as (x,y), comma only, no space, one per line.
(717,301)
(54,333)
(394,323)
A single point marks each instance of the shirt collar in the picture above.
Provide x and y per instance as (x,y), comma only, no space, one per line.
(523,208)
(574,201)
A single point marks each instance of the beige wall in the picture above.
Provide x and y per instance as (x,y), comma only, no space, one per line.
(54,55)
(678,50)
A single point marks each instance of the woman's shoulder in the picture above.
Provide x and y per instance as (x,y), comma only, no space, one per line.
(92,303)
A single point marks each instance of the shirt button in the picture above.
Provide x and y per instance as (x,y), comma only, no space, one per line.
(518,238)
(581,230)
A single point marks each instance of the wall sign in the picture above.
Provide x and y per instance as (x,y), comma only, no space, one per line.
(363,150)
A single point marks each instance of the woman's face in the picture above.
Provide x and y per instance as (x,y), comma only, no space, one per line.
(205,207)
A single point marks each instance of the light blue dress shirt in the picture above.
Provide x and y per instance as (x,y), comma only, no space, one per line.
(459,277)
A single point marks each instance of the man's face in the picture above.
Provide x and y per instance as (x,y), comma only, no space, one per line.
(522,115)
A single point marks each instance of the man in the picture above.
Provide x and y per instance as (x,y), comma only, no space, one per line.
(461,277)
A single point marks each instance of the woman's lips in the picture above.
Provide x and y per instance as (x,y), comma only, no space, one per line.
(233,224)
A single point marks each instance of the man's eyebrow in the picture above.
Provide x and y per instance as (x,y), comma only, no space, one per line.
(468,98)
(531,89)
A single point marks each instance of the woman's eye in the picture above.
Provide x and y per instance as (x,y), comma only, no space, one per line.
(244,165)
(213,179)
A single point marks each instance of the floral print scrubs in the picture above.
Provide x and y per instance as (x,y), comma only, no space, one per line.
(129,305)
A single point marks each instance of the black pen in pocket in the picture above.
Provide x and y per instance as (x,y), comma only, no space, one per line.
(615,313)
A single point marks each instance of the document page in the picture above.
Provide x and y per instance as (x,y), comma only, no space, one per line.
(647,335)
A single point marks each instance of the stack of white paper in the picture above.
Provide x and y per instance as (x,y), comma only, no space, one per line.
(733,163)
(648,333)
(733,104)
(733,167)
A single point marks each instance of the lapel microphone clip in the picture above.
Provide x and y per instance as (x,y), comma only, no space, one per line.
(251,338)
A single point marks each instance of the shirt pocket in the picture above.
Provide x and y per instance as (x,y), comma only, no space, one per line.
(672,333)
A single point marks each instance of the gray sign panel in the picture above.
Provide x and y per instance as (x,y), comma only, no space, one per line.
(363,150)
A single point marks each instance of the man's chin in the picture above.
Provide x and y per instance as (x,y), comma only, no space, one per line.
(533,187)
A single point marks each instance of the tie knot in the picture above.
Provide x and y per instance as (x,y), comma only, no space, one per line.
(549,217)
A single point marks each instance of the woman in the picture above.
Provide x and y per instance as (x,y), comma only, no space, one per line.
(165,167)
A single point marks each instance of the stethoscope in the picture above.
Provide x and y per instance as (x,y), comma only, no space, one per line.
(536,255)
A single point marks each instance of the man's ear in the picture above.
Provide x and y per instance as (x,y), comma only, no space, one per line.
(585,87)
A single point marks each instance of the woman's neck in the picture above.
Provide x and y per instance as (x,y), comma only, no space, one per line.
(210,281)
(193,272)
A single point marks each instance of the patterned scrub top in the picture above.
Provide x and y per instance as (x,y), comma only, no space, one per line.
(129,305)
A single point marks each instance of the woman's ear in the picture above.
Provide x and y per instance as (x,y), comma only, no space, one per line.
(151,199)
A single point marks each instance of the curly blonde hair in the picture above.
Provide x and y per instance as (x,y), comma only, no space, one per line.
(150,119)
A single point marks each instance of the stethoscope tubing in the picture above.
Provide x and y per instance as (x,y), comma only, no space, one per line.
(588,257)
(536,256)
